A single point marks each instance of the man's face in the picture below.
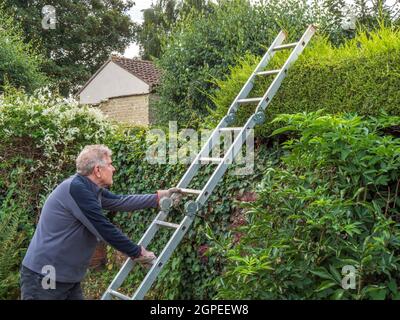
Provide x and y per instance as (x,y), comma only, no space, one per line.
(106,172)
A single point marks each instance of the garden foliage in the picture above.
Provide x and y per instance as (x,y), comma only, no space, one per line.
(332,202)
(327,199)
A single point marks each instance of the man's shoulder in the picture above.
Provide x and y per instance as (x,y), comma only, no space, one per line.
(82,190)
(78,183)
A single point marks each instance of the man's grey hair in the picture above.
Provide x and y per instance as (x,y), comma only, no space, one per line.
(91,156)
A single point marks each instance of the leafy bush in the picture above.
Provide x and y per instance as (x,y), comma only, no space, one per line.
(360,76)
(40,138)
(42,134)
(15,231)
(333,201)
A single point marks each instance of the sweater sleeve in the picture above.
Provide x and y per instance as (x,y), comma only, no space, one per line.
(90,206)
(110,201)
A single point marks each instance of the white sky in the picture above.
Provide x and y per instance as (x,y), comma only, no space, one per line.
(137,16)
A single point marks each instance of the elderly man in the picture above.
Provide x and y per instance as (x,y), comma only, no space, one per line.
(72,223)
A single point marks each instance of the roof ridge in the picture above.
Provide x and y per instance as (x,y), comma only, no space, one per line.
(133,59)
(145,70)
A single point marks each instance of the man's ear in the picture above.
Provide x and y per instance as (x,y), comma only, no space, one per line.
(97,172)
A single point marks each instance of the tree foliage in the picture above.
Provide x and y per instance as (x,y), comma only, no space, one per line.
(86,33)
(19,62)
(203,46)
(158,22)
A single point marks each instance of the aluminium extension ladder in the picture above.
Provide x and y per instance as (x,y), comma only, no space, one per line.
(191,207)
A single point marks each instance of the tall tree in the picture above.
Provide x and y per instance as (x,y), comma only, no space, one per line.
(158,21)
(84,34)
(203,46)
(19,61)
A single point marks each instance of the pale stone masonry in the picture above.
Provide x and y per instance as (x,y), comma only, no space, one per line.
(130,109)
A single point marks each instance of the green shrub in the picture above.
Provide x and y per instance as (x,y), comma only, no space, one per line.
(42,134)
(40,137)
(15,232)
(333,201)
(362,76)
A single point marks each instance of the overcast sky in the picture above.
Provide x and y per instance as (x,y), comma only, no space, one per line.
(137,16)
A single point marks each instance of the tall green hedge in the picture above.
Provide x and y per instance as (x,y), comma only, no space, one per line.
(362,76)
(41,136)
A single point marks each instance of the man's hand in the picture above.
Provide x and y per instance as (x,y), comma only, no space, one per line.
(146,258)
(174,193)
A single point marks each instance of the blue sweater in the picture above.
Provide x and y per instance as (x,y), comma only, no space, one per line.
(72,223)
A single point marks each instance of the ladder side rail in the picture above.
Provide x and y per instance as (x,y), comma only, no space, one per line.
(129,263)
(163,258)
(204,152)
(230,155)
(263,62)
(275,85)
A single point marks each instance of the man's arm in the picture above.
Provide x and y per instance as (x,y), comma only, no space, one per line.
(110,201)
(89,205)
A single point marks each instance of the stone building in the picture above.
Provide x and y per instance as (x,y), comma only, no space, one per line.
(123,89)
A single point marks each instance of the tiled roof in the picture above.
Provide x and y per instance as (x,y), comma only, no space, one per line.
(144,70)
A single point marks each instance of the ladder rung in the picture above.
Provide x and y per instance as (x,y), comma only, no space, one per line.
(167,224)
(267,73)
(249,100)
(192,191)
(285,46)
(231,129)
(118,295)
(213,160)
